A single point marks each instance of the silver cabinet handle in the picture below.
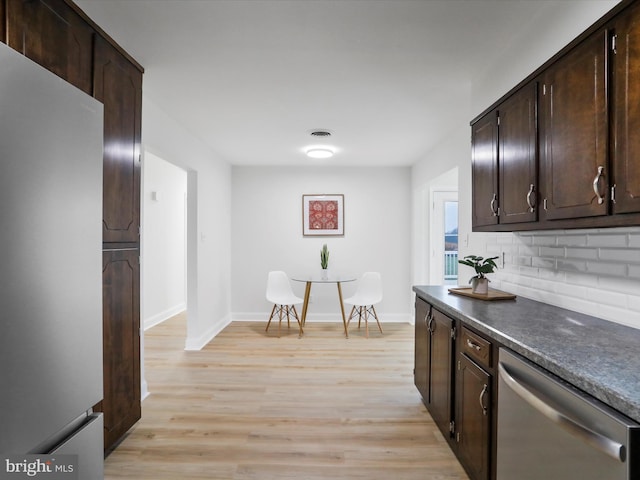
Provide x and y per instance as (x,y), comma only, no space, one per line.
(481,398)
(429,325)
(492,205)
(596,185)
(573,426)
(473,345)
(530,202)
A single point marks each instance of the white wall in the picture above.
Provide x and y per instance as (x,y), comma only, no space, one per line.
(267,235)
(596,272)
(209,221)
(164,190)
(452,152)
(542,37)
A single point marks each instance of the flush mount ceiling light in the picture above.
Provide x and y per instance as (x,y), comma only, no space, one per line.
(319,152)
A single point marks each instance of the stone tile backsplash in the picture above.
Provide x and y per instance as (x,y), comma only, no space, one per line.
(596,272)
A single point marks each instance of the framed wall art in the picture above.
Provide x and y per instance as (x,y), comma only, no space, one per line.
(322,215)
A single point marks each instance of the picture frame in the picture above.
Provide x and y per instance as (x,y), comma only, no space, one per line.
(322,215)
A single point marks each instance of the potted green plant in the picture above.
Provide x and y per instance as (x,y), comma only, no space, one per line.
(324,260)
(479,282)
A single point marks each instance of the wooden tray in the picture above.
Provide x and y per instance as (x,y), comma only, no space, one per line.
(492,295)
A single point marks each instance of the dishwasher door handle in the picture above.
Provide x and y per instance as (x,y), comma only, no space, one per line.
(529,394)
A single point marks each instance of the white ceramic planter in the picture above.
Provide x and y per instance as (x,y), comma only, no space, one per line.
(480,286)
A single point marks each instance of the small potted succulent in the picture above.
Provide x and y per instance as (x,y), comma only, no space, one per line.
(479,282)
(324,261)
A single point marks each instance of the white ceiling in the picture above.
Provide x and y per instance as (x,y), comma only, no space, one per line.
(253,78)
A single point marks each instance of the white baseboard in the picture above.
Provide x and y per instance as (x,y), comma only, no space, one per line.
(321,317)
(158,318)
(198,343)
(144,393)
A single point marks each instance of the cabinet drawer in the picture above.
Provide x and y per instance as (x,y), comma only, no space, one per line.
(476,347)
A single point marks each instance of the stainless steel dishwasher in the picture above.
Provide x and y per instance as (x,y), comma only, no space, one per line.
(547,429)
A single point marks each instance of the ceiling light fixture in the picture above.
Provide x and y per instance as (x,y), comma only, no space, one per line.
(319,152)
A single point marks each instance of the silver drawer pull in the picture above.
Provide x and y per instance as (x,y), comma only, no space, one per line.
(473,345)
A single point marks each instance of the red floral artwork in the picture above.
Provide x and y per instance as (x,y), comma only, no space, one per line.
(323,215)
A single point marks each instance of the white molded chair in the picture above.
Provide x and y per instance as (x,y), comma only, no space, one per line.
(279,293)
(368,293)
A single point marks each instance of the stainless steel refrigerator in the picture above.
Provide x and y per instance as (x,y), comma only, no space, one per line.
(50,267)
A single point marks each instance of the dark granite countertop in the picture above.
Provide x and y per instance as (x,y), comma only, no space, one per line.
(601,358)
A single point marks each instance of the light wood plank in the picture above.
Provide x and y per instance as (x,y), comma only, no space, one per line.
(252,406)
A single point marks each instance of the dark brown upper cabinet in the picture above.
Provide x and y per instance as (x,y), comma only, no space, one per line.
(53,35)
(583,135)
(505,162)
(484,157)
(118,85)
(625,191)
(518,157)
(574,132)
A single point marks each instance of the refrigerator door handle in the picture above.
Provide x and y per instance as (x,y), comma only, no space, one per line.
(529,394)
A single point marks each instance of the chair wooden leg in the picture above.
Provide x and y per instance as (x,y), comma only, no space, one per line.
(366,321)
(269,322)
(350,315)
(375,315)
(360,315)
(279,321)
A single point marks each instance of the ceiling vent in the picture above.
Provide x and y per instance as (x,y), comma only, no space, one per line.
(320,133)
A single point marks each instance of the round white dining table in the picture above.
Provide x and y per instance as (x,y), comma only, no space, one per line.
(321,277)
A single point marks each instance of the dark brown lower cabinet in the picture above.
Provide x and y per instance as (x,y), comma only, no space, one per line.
(422,341)
(121,330)
(454,372)
(473,417)
(441,388)
(433,374)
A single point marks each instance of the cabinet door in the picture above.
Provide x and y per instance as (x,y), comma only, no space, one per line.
(441,371)
(473,418)
(484,156)
(422,341)
(517,157)
(118,85)
(574,100)
(626,107)
(121,338)
(53,35)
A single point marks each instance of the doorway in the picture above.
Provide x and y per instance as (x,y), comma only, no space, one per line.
(444,237)
(163,245)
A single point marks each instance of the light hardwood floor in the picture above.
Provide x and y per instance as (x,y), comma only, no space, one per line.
(254,406)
